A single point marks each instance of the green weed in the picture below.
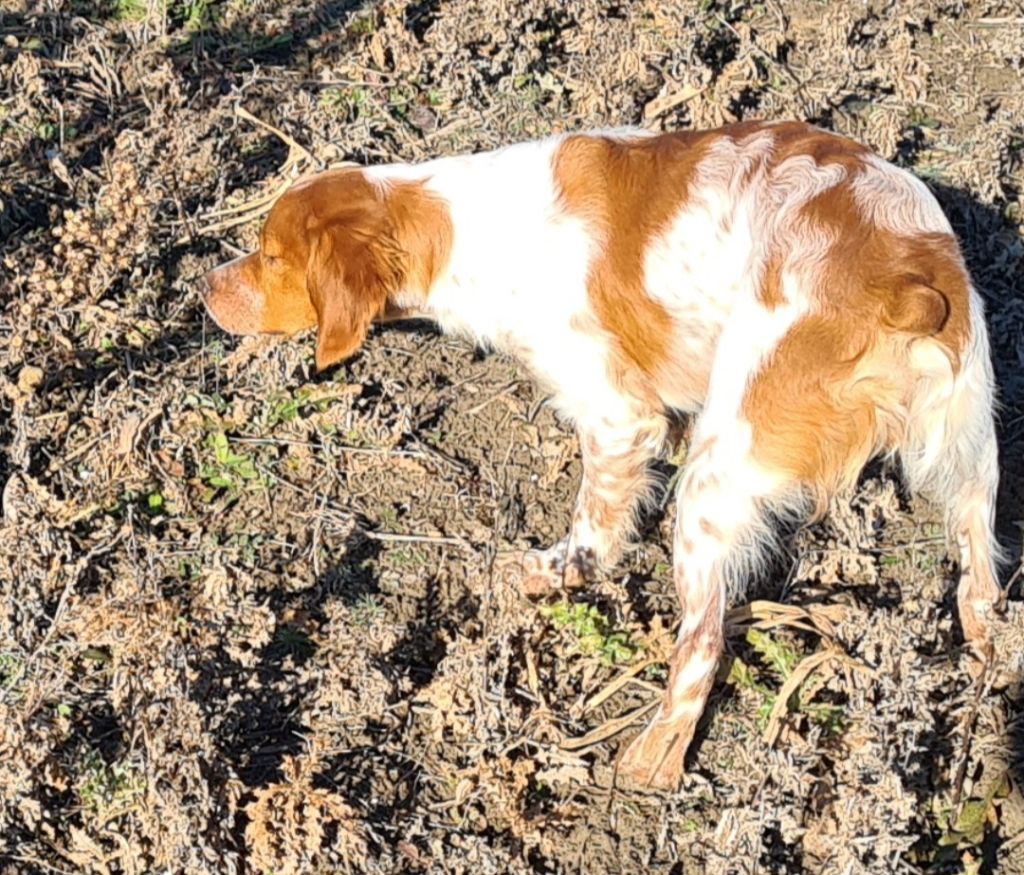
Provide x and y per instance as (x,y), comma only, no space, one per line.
(47,131)
(131,10)
(196,14)
(189,568)
(931,168)
(400,98)
(595,634)
(348,102)
(920,117)
(363,25)
(149,504)
(966,830)
(197,401)
(296,642)
(365,611)
(388,518)
(230,470)
(247,547)
(193,14)
(286,407)
(407,557)
(780,658)
(108,791)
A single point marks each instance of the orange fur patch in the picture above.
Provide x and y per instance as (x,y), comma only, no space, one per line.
(832,393)
(629,190)
(810,419)
(791,139)
(422,228)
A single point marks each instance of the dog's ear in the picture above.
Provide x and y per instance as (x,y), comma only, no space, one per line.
(351,273)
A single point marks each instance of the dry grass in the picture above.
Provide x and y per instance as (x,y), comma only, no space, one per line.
(250,617)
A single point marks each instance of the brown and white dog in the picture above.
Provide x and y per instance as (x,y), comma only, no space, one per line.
(803,299)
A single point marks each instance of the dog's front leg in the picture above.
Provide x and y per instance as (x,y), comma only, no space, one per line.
(616,456)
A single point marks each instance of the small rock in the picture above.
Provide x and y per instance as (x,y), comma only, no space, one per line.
(423,119)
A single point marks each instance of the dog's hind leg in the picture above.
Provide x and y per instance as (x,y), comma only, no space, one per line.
(781,434)
(950,455)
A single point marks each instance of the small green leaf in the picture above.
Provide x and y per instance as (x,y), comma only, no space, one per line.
(973,817)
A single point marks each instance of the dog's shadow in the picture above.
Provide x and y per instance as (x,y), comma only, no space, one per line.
(995,258)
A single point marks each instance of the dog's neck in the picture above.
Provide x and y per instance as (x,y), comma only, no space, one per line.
(485,243)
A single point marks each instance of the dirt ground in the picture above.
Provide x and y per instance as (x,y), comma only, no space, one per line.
(249,616)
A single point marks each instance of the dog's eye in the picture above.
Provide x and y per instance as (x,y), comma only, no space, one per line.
(271,259)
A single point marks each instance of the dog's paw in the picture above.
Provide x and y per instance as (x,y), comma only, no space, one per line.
(995,642)
(540,572)
(653,762)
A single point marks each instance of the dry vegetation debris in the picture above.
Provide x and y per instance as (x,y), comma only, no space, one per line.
(253,619)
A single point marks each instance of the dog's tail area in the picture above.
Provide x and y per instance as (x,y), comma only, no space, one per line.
(951,456)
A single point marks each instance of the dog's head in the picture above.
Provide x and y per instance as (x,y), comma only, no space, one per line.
(328,256)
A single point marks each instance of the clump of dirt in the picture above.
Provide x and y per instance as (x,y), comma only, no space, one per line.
(254,618)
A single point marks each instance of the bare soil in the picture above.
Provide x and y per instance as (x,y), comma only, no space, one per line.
(250,616)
